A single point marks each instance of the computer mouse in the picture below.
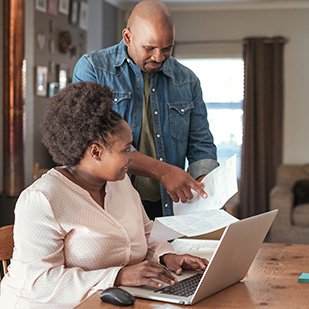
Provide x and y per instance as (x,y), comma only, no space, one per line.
(117,296)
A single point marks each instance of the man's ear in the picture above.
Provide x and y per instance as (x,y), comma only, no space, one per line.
(96,151)
(126,34)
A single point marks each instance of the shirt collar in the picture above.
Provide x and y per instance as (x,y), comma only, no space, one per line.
(122,55)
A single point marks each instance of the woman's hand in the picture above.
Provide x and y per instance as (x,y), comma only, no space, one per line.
(144,273)
(178,262)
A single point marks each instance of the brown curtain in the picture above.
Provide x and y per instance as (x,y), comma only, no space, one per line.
(263,122)
(13,143)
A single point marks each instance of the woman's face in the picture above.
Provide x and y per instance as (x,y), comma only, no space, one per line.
(117,154)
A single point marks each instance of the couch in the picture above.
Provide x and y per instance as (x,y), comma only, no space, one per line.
(291,196)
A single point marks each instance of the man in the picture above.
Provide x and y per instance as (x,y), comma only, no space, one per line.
(162,102)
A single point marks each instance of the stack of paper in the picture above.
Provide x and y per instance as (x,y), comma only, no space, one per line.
(201,216)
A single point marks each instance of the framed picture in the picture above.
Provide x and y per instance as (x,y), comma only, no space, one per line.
(52,7)
(63,78)
(74,8)
(41,81)
(64,6)
(41,5)
(83,16)
(53,88)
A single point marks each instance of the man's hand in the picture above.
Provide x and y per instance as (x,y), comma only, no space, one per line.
(179,183)
(178,262)
(176,181)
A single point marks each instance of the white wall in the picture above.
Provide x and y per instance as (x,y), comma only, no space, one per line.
(291,23)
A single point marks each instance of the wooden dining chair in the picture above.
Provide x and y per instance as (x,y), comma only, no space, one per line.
(6,246)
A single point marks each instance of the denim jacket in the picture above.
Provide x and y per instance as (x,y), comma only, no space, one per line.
(180,124)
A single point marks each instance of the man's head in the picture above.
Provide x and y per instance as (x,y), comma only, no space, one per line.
(149,35)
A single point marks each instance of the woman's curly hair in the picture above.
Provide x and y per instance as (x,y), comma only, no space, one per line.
(78,115)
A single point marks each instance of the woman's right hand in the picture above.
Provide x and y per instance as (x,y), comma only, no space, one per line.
(144,273)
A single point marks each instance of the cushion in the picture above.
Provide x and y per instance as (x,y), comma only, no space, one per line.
(301,192)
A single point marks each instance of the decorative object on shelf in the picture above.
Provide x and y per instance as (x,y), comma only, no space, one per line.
(64,6)
(74,8)
(53,88)
(63,79)
(52,68)
(41,5)
(83,15)
(52,7)
(51,46)
(51,26)
(41,81)
(62,71)
(40,39)
(64,41)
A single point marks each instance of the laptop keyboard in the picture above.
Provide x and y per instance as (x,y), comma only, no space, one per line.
(184,287)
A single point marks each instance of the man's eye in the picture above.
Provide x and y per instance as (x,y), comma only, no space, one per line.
(149,48)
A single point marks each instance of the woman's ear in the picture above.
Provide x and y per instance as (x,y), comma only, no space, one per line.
(96,151)
(126,34)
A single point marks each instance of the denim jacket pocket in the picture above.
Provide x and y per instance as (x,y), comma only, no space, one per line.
(179,118)
(121,97)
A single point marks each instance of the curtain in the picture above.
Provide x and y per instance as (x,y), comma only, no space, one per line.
(263,122)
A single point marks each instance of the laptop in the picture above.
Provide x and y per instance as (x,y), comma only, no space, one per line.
(228,265)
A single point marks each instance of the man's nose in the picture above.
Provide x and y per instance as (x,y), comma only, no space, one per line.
(158,56)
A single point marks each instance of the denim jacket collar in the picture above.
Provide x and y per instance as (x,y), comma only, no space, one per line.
(122,56)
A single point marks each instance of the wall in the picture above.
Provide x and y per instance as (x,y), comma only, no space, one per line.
(1,96)
(291,23)
(45,27)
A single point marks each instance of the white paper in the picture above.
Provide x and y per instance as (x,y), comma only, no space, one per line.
(201,216)
(220,185)
(166,228)
(204,248)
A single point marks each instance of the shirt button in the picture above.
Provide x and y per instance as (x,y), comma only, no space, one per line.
(156,112)
(153,90)
(115,100)
(129,60)
(182,110)
(158,135)
(165,205)
(161,159)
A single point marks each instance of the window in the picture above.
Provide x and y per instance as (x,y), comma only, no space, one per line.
(222,82)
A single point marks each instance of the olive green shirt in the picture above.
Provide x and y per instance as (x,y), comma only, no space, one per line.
(148,188)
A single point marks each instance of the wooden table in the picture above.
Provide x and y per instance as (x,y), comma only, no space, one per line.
(270,283)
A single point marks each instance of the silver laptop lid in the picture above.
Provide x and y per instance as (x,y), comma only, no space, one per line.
(235,253)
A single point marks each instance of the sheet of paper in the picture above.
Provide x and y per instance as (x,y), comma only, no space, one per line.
(220,185)
(199,247)
(166,228)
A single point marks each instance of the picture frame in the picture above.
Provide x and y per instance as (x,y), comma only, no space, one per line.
(41,81)
(53,89)
(41,5)
(83,15)
(62,78)
(52,7)
(64,7)
(74,10)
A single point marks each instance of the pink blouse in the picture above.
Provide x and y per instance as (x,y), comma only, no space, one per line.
(67,246)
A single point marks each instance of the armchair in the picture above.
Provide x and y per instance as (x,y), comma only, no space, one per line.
(292,222)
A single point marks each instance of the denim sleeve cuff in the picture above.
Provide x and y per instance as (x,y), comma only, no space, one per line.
(202,167)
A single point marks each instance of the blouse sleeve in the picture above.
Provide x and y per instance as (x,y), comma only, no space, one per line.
(39,254)
(155,249)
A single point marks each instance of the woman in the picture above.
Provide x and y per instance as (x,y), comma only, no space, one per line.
(81,227)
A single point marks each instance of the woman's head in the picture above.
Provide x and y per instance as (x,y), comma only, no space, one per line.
(78,116)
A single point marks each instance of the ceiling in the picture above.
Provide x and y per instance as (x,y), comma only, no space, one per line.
(222,4)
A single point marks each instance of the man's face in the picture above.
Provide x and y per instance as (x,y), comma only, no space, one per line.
(149,45)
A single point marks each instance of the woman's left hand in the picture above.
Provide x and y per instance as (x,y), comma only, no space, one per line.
(178,262)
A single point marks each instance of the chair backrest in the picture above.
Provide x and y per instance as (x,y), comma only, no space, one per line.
(6,246)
